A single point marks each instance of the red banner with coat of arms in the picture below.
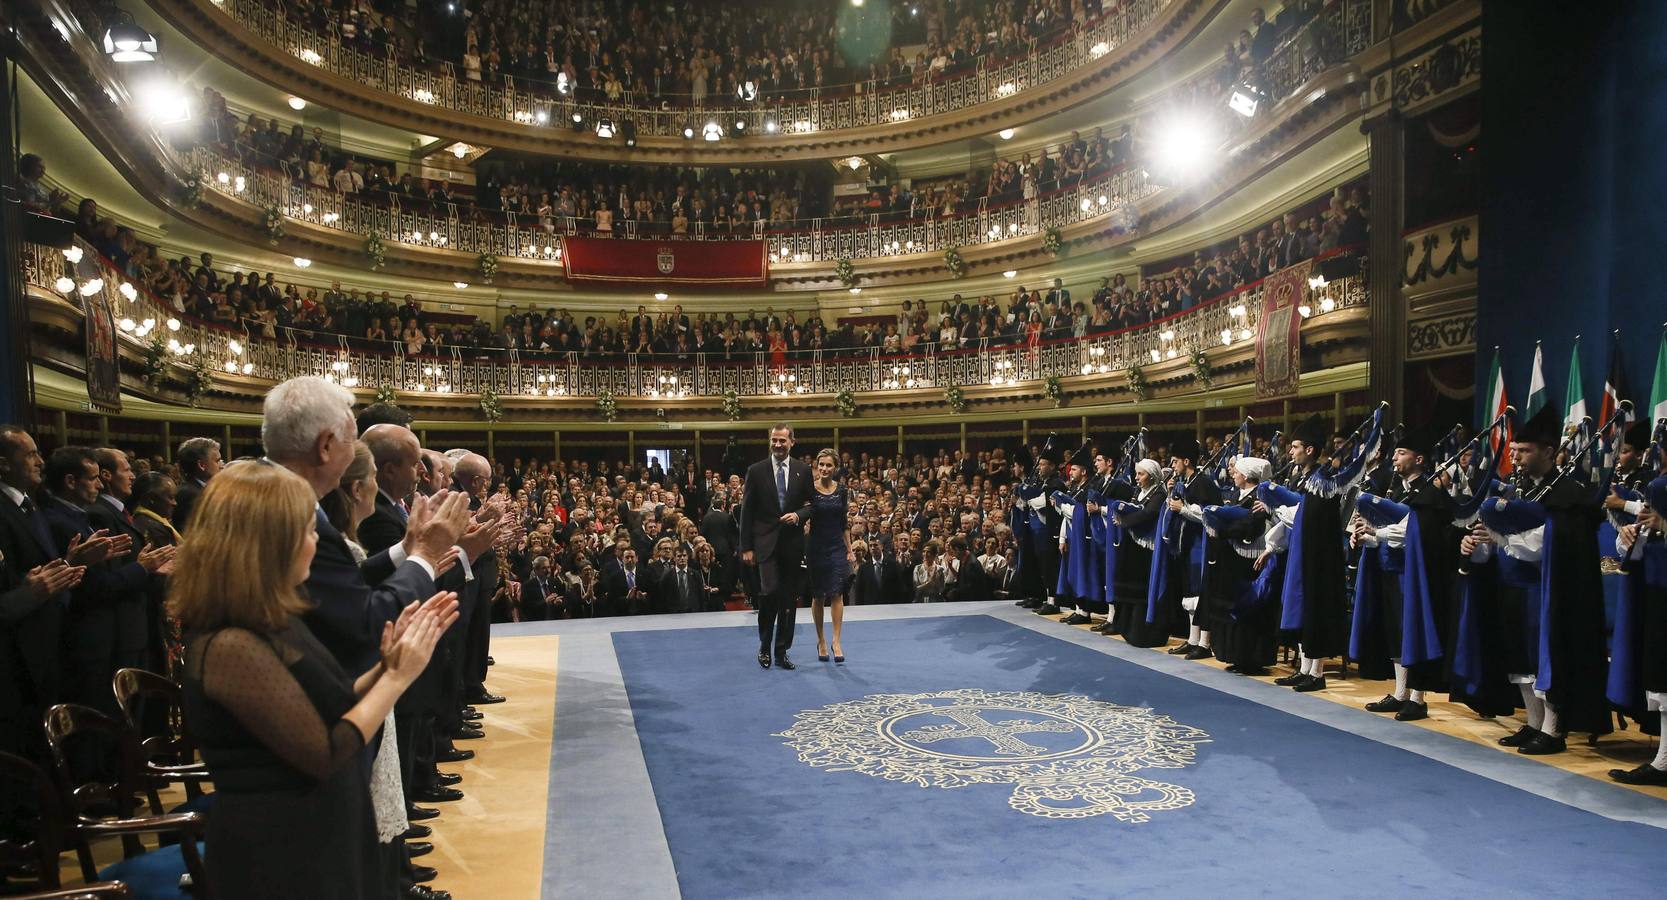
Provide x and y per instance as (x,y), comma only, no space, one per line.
(1279,332)
(648,262)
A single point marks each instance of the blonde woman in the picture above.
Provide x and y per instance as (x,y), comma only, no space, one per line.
(283,728)
(826,554)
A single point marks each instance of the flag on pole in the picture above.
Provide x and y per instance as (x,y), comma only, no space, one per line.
(1658,384)
(1536,386)
(1574,396)
(1614,389)
(1496,408)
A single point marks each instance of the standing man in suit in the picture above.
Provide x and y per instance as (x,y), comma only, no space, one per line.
(681,586)
(972,582)
(774,505)
(111,512)
(897,571)
(31,603)
(718,527)
(473,475)
(199,460)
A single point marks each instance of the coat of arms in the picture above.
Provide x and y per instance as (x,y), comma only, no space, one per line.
(665,260)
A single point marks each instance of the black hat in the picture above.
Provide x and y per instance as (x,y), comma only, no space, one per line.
(1184,447)
(1420,440)
(1544,428)
(1312,431)
(1637,437)
(1021,455)
(1084,457)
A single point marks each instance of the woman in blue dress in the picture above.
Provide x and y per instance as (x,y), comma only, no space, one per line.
(826,553)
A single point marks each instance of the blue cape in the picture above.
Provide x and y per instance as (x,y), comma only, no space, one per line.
(1420,642)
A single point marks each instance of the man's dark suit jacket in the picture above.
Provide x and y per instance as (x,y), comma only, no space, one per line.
(107,610)
(30,632)
(897,584)
(866,584)
(972,583)
(778,549)
(718,527)
(535,600)
(611,599)
(666,598)
(351,601)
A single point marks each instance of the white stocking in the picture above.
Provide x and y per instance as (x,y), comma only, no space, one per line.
(1534,706)
(1550,720)
(1660,761)
(1418,696)
(1203,639)
(1192,636)
(1400,682)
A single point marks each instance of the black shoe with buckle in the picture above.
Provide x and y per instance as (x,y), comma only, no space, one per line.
(1310,684)
(1289,680)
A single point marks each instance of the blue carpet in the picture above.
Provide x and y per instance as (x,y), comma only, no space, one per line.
(1278,804)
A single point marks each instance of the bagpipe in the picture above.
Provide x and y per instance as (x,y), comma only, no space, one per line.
(1579,450)
(1652,462)
(1282,461)
(1344,467)
(1481,476)
(1235,445)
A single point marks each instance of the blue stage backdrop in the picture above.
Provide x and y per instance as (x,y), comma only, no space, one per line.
(942,762)
(1574,230)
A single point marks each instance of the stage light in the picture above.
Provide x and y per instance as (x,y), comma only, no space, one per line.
(541,117)
(460,285)
(1010,273)
(1182,146)
(126,42)
(688,132)
(65,284)
(1006,134)
(605,129)
(303,262)
(562,84)
(747,90)
(163,102)
(297,104)
(1245,99)
(712,132)
(770,126)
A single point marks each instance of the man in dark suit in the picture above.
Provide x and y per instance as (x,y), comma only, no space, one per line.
(897,571)
(718,527)
(774,505)
(35,582)
(866,581)
(971,582)
(111,513)
(681,586)
(199,460)
(473,475)
(105,627)
(621,588)
(542,596)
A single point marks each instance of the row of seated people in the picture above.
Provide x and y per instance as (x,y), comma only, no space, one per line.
(627,51)
(328,673)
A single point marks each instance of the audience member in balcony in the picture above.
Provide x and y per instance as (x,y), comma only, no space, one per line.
(32,190)
(348,180)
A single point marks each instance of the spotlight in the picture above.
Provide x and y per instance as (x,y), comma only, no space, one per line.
(1183,145)
(770,126)
(1245,99)
(712,132)
(126,42)
(578,121)
(605,129)
(297,104)
(1006,134)
(542,117)
(740,126)
(163,102)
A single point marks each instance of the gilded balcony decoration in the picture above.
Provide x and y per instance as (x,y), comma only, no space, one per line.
(1438,284)
(257,37)
(211,359)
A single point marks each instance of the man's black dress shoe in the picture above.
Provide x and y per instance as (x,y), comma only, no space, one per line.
(1047,609)
(1387,704)
(417,832)
(415,849)
(782,662)
(1645,774)
(466,733)
(1542,744)
(1413,711)
(1024,601)
(1522,736)
(764,659)
(1181,650)
(1310,684)
(490,661)
(1289,680)
(420,874)
(1104,628)
(448,778)
(1077,618)
(436,794)
(1200,653)
(417,813)
(470,714)
(424,892)
(454,755)
(483,698)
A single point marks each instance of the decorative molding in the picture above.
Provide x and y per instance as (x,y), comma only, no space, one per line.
(1441,257)
(1445,336)
(1450,66)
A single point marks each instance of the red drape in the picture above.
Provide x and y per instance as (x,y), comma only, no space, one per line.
(649,262)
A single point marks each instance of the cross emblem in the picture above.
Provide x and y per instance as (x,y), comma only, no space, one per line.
(1003,735)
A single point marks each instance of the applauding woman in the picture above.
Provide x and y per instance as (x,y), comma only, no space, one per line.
(282,727)
(826,554)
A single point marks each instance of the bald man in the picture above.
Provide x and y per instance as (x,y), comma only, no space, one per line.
(473,475)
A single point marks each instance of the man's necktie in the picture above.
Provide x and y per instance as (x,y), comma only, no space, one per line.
(682,584)
(630,580)
(781,485)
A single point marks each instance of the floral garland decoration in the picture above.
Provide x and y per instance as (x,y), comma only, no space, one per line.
(1053,241)
(490,406)
(202,378)
(377,253)
(846,403)
(1053,391)
(1137,383)
(956,402)
(956,265)
(156,363)
(488,267)
(606,406)
(845,271)
(732,405)
(1202,370)
(274,225)
(193,196)
(386,394)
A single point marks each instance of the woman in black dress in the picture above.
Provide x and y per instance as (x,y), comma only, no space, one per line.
(826,553)
(282,727)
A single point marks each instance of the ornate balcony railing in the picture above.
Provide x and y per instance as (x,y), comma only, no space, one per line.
(819,110)
(1111,195)
(175,340)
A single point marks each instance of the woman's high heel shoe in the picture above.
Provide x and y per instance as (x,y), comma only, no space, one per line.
(839,657)
(822,654)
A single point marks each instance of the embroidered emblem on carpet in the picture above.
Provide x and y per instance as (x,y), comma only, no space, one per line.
(1067,756)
